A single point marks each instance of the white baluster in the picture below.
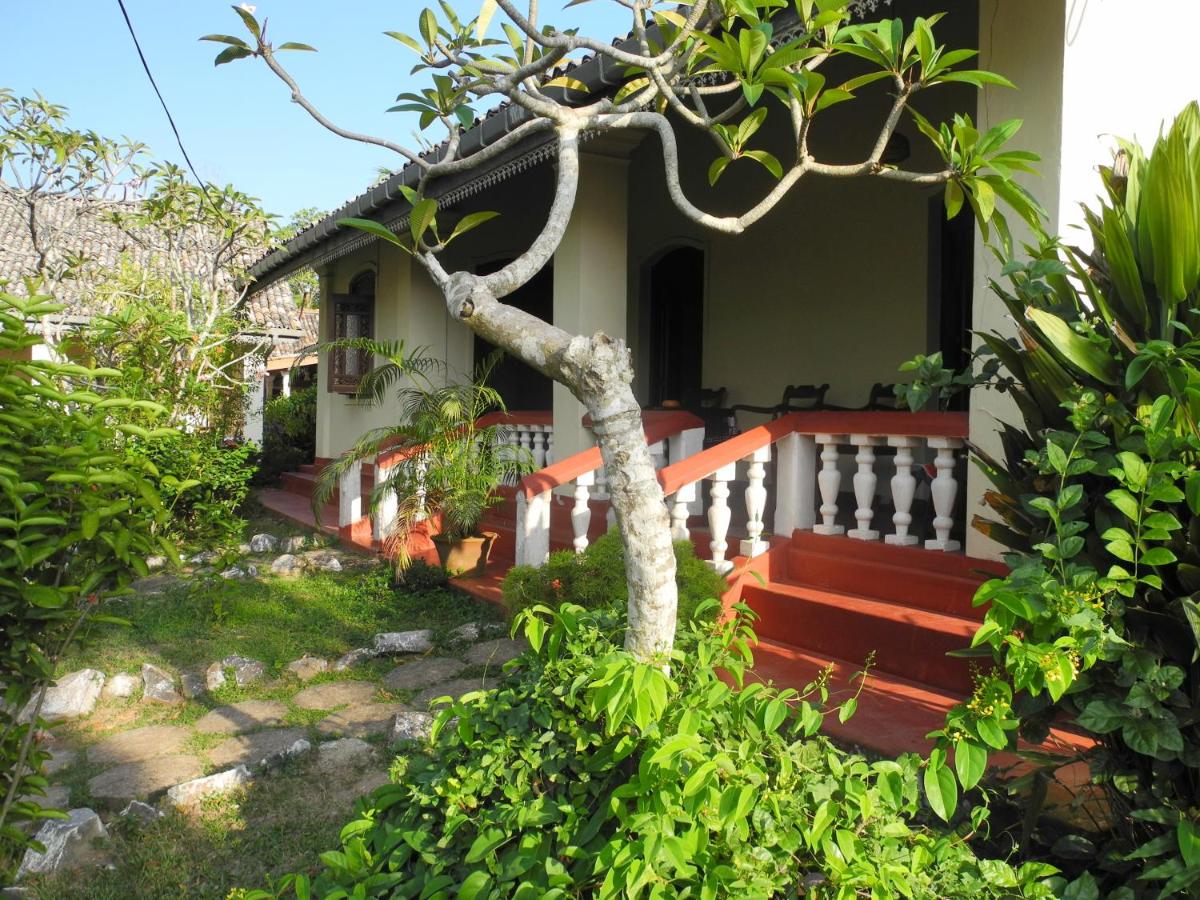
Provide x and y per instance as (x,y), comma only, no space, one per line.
(795,483)
(526,441)
(539,447)
(550,457)
(829,481)
(865,482)
(387,504)
(679,447)
(581,514)
(944,490)
(904,487)
(718,516)
(350,505)
(756,501)
(512,450)
(533,529)
(680,510)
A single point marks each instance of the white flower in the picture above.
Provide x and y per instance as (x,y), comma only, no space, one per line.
(248,8)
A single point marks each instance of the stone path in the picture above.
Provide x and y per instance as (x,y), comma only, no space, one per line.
(330,715)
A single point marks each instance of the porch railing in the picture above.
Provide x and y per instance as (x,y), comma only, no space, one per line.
(794,440)
(672,436)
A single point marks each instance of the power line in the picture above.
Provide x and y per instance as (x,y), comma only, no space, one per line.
(171,119)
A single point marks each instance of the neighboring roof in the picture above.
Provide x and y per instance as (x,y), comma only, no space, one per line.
(87,230)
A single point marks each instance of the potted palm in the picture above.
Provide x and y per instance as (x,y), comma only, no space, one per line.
(446,466)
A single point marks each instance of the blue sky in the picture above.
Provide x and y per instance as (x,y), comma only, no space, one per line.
(237,121)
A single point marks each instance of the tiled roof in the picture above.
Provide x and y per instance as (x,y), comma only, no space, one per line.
(89,231)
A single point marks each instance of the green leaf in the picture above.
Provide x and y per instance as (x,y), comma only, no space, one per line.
(229,54)
(970,762)
(1074,348)
(251,23)
(90,524)
(372,227)
(941,790)
(296,45)
(226,39)
(471,221)
(421,217)
(718,166)
(429,27)
(475,885)
(771,164)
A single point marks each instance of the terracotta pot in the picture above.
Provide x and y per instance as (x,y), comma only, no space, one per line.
(465,555)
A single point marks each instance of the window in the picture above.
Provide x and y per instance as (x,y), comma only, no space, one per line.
(353,317)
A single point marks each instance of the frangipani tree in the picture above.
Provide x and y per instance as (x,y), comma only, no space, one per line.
(720,66)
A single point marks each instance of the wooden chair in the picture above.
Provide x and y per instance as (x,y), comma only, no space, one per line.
(795,397)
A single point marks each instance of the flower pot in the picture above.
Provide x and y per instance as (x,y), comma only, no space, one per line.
(468,555)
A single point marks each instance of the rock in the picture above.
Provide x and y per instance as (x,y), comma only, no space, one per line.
(238,718)
(72,696)
(59,760)
(68,844)
(233,573)
(205,557)
(137,745)
(140,780)
(353,658)
(411,726)
(193,684)
(495,652)
(473,631)
(336,756)
(361,720)
(245,670)
(308,667)
(454,689)
(263,543)
(331,565)
(57,796)
(421,673)
(152,584)
(244,549)
(300,747)
(254,750)
(251,570)
(120,686)
(158,686)
(192,792)
(293,544)
(142,813)
(155,562)
(288,566)
(214,676)
(388,642)
(325,560)
(333,694)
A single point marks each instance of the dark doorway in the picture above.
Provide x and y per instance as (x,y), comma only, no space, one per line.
(677,327)
(521,387)
(952,287)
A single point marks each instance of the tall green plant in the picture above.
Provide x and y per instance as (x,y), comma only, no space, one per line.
(77,511)
(450,466)
(1099,495)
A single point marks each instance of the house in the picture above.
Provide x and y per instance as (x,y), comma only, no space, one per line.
(275,329)
(855,518)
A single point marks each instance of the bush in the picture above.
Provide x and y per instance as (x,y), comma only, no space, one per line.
(289,434)
(77,510)
(204,483)
(596,578)
(588,774)
(420,577)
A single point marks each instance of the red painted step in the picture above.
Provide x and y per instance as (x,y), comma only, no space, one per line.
(908,642)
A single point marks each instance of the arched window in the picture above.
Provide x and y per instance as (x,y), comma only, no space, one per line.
(353,317)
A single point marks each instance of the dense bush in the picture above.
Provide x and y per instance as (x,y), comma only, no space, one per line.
(204,482)
(1099,495)
(588,774)
(77,510)
(289,434)
(596,578)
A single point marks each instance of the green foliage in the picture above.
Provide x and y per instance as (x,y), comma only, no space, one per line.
(289,434)
(934,385)
(77,510)
(420,577)
(445,466)
(1098,622)
(596,579)
(204,482)
(587,773)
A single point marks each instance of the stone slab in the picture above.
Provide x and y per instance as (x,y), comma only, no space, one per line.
(238,718)
(422,673)
(68,844)
(139,780)
(361,720)
(333,694)
(495,652)
(70,697)
(251,749)
(190,793)
(137,745)
(347,753)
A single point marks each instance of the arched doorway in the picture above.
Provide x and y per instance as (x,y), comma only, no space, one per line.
(676,294)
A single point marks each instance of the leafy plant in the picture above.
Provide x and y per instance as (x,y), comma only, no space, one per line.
(1098,623)
(587,773)
(447,465)
(289,434)
(596,579)
(77,513)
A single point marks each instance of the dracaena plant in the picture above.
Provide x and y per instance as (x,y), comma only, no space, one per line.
(727,68)
(1098,624)
(446,465)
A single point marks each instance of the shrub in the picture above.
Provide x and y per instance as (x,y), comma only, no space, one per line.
(588,774)
(420,577)
(596,578)
(204,482)
(289,434)
(77,509)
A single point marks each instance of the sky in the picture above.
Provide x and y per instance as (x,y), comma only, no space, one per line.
(237,121)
